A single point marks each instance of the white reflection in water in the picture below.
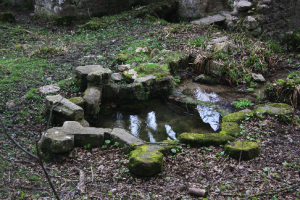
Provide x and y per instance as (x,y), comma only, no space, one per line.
(170,132)
(118,117)
(134,125)
(151,137)
(203,96)
(210,116)
(151,121)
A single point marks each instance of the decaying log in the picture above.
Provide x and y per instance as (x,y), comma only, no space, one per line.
(80,185)
(197,192)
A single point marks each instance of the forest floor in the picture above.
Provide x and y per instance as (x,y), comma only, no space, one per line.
(34,52)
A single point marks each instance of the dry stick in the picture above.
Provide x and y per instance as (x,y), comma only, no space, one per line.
(80,185)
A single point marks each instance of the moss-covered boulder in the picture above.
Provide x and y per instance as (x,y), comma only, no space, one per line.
(146,160)
(249,150)
(79,101)
(7,17)
(231,128)
(199,140)
(275,109)
(123,57)
(237,116)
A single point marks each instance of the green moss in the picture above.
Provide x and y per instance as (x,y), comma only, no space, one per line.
(7,17)
(78,101)
(123,57)
(94,24)
(231,128)
(274,109)
(64,20)
(237,116)
(159,71)
(247,150)
(199,140)
(145,161)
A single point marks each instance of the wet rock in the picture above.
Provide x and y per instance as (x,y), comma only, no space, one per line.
(258,77)
(204,79)
(275,109)
(79,101)
(146,160)
(122,68)
(130,75)
(92,96)
(117,77)
(53,88)
(199,140)
(250,23)
(215,19)
(65,110)
(245,150)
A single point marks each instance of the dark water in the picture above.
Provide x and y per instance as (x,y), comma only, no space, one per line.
(155,123)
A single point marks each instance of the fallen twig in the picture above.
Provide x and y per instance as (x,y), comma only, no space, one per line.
(80,185)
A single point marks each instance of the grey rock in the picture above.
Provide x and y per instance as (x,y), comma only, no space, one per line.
(130,75)
(83,71)
(79,101)
(145,79)
(92,96)
(53,88)
(275,109)
(91,136)
(215,68)
(65,108)
(116,77)
(250,23)
(258,77)
(154,52)
(223,47)
(84,123)
(11,104)
(122,68)
(215,19)
(110,91)
(204,79)
(263,8)
(124,138)
(219,40)
(243,6)
(102,76)
(143,49)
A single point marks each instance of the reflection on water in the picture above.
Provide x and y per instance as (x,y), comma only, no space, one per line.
(154,124)
(207,114)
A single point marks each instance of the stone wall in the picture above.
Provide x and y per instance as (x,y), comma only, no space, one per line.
(274,17)
(84,7)
(200,8)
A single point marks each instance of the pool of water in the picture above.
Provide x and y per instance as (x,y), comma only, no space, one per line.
(155,123)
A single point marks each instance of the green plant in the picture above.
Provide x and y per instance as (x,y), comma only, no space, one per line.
(198,42)
(107,142)
(87,146)
(242,103)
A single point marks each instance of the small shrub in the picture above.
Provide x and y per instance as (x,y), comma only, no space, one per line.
(242,103)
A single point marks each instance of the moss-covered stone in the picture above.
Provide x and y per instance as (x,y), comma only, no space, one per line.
(7,17)
(249,150)
(199,140)
(231,128)
(79,101)
(237,116)
(275,109)
(123,57)
(146,160)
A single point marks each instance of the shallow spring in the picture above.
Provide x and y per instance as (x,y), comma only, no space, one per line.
(157,123)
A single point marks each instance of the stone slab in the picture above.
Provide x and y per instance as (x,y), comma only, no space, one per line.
(215,19)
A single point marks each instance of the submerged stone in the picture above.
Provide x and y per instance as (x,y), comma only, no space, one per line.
(146,160)
(245,150)
(199,140)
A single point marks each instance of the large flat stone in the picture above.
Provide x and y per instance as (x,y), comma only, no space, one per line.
(215,19)
(83,71)
(124,138)
(102,76)
(65,109)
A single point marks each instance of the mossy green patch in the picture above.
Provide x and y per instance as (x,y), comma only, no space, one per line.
(145,160)
(237,116)
(78,101)
(275,109)
(159,71)
(231,128)
(123,57)
(245,149)
(7,17)
(94,24)
(199,140)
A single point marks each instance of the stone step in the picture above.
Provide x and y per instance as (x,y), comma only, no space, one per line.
(214,19)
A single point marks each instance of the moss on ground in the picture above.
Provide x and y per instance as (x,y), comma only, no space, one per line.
(246,150)
(237,116)
(199,140)
(94,24)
